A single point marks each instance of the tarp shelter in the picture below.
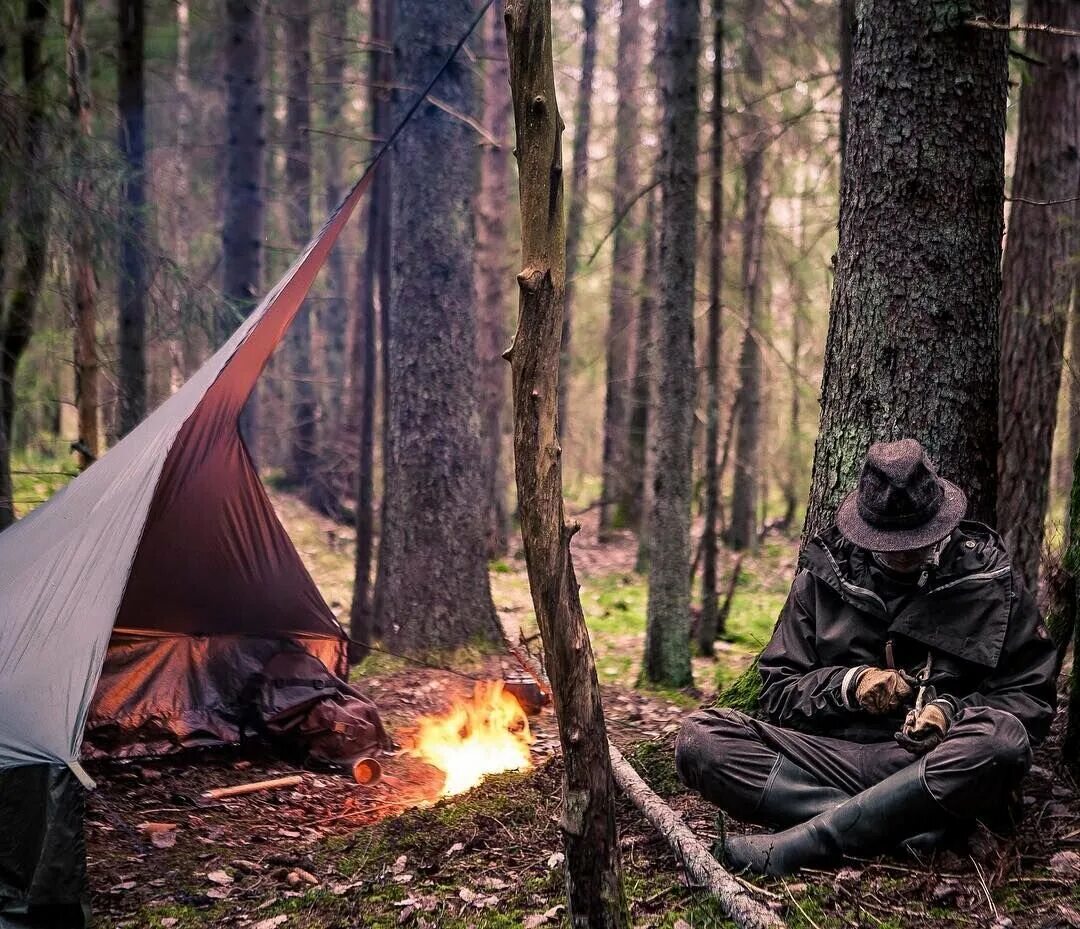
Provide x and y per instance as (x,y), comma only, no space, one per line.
(142,596)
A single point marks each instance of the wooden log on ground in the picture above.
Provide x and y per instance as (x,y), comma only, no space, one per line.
(736,901)
(222,793)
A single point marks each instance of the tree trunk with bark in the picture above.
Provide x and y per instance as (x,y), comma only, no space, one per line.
(616,496)
(1074,371)
(32,209)
(708,626)
(83,277)
(592,866)
(327,488)
(644,397)
(579,183)
(374,275)
(131,94)
(245,148)
(300,469)
(1043,239)
(846,32)
(432,589)
(743,532)
(912,347)
(1071,745)
(667,637)
(492,274)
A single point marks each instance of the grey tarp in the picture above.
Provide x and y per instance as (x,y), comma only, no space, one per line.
(170,540)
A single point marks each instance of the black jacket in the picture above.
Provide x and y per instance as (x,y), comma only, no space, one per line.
(971,613)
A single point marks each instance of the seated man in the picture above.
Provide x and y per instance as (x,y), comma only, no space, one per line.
(903,687)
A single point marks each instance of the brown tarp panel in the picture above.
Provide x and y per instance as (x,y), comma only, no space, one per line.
(171,533)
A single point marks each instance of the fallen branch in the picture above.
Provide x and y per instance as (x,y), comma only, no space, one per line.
(221,793)
(735,899)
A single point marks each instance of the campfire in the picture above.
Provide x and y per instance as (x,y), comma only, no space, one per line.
(485,734)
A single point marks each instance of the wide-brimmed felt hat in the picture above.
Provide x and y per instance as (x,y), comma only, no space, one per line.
(900,503)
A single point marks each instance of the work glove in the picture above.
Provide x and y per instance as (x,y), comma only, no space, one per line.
(881,691)
(924,729)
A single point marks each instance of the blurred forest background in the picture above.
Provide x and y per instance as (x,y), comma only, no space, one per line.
(163,161)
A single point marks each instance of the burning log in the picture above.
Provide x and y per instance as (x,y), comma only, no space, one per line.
(222,793)
(735,899)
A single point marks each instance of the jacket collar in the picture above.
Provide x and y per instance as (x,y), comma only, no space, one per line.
(963,609)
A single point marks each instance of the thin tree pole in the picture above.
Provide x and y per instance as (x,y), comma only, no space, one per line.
(709,627)
(84,280)
(579,182)
(592,866)
(131,15)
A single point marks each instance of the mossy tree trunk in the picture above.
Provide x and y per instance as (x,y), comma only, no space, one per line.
(592,866)
(579,184)
(667,636)
(616,498)
(432,591)
(708,627)
(912,346)
(1042,242)
(641,444)
(32,210)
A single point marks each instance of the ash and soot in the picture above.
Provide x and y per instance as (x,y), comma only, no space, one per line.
(485,734)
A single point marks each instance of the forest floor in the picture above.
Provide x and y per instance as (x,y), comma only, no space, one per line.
(329,853)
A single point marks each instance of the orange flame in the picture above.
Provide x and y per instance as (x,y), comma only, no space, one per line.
(474,738)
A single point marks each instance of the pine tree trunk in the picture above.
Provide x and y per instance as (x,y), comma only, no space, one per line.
(592,866)
(912,347)
(1074,371)
(745,488)
(1070,749)
(1042,241)
(579,183)
(846,31)
(190,341)
(616,498)
(667,637)
(708,627)
(641,413)
(300,468)
(32,212)
(492,274)
(245,150)
(327,488)
(433,580)
(83,278)
(132,272)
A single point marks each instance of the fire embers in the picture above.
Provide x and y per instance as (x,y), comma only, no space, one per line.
(486,734)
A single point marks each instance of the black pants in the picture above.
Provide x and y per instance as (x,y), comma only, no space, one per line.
(766,774)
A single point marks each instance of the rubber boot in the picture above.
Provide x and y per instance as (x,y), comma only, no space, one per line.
(793,796)
(871,822)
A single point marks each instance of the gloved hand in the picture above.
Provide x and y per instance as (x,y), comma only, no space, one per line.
(879,690)
(925,729)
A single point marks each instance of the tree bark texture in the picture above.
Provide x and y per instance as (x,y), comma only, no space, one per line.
(708,626)
(748,470)
(667,637)
(492,274)
(616,497)
(334,316)
(912,347)
(300,468)
(846,32)
(644,396)
(130,91)
(83,278)
(1074,370)
(32,211)
(432,589)
(1042,242)
(592,866)
(245,148)
(579,186)
(1071,744)
(373,274)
